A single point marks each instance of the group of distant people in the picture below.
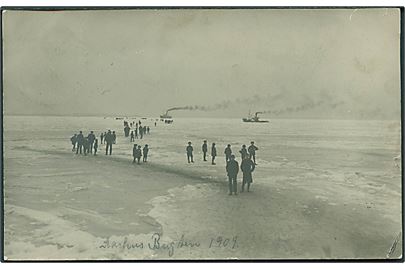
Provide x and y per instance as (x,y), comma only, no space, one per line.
(138,152)
(232,166)
(138,129)
(108,138)
(84,145)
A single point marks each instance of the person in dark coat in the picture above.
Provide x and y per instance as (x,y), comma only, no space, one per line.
(189,151)
(243,152)
(134,152)
(252,151)
(101,138)
(145,153)
(204,150)
(86,146)
(114,137)
(108,140)
(148,129)
(91,137)
(232,169)
(80,139)
(132,136)
(73,139)
(247,166)
(140,131)
(95,146)
(228,153)
(138,154)
(126,130)
(136,133)
(213,153)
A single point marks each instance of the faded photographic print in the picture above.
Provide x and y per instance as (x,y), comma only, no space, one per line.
(202,134)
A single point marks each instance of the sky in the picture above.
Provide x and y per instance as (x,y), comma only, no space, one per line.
(289,63)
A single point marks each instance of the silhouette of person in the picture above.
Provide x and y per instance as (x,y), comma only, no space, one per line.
(144,130)
(73,139)
(136,132)
(247,166)
(228,153)
(86,146)
(145,153)
(114,137)
(101,137)
(213,153)
(91,137)
(189,150)
(148,129)
(243,152)
(132,136)
(80,139)
(95,146)
(138,154)
(134,152)
(155,123)
(108,138)
(204,149)
(252,151)
(232,169)
(141,131)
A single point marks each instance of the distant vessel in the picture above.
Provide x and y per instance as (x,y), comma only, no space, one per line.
(166,115)
(254,119)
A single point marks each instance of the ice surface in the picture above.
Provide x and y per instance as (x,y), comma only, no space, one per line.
(322,189)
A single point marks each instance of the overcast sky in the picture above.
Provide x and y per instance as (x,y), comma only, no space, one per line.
(327,63)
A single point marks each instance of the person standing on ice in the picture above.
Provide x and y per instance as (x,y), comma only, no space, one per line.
(108,138)
(95,146)
(101,137)
(213,153)
(114,137)
(134,151)
(232,169)
(74,140)
(132,136)
(247,166)
(138,154)
(204,150)
(228,153)
(189,151)
(136,132)
(252,151)
(86,146)
(145,153)
(80,139)
(243,152)
(141,131)
(91,137)
(148,129)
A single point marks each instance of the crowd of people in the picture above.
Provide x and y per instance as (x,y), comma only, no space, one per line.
(247,166)
(135,130)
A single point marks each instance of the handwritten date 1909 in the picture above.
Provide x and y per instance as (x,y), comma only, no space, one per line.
(223,242)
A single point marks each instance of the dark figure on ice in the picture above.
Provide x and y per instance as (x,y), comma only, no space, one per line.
(73,139)
(145,153)
(243,152)
(213,153)
(136,132)
(108,138)
(144,130)
(228,153)
(138,154)
(141,131)
(126,130)
(91,137)
(79,139)
(101,138)
(132,136)
(134,152)
(189,150)
(114,137)
(148,129)
(95,146)
(155,124)
(86,146)
(247,166)
(232,169)
(252,151)
(204,150)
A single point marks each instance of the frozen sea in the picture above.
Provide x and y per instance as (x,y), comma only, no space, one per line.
(322,189)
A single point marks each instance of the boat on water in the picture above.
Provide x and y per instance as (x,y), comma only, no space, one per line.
(254,119)
(166,115)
